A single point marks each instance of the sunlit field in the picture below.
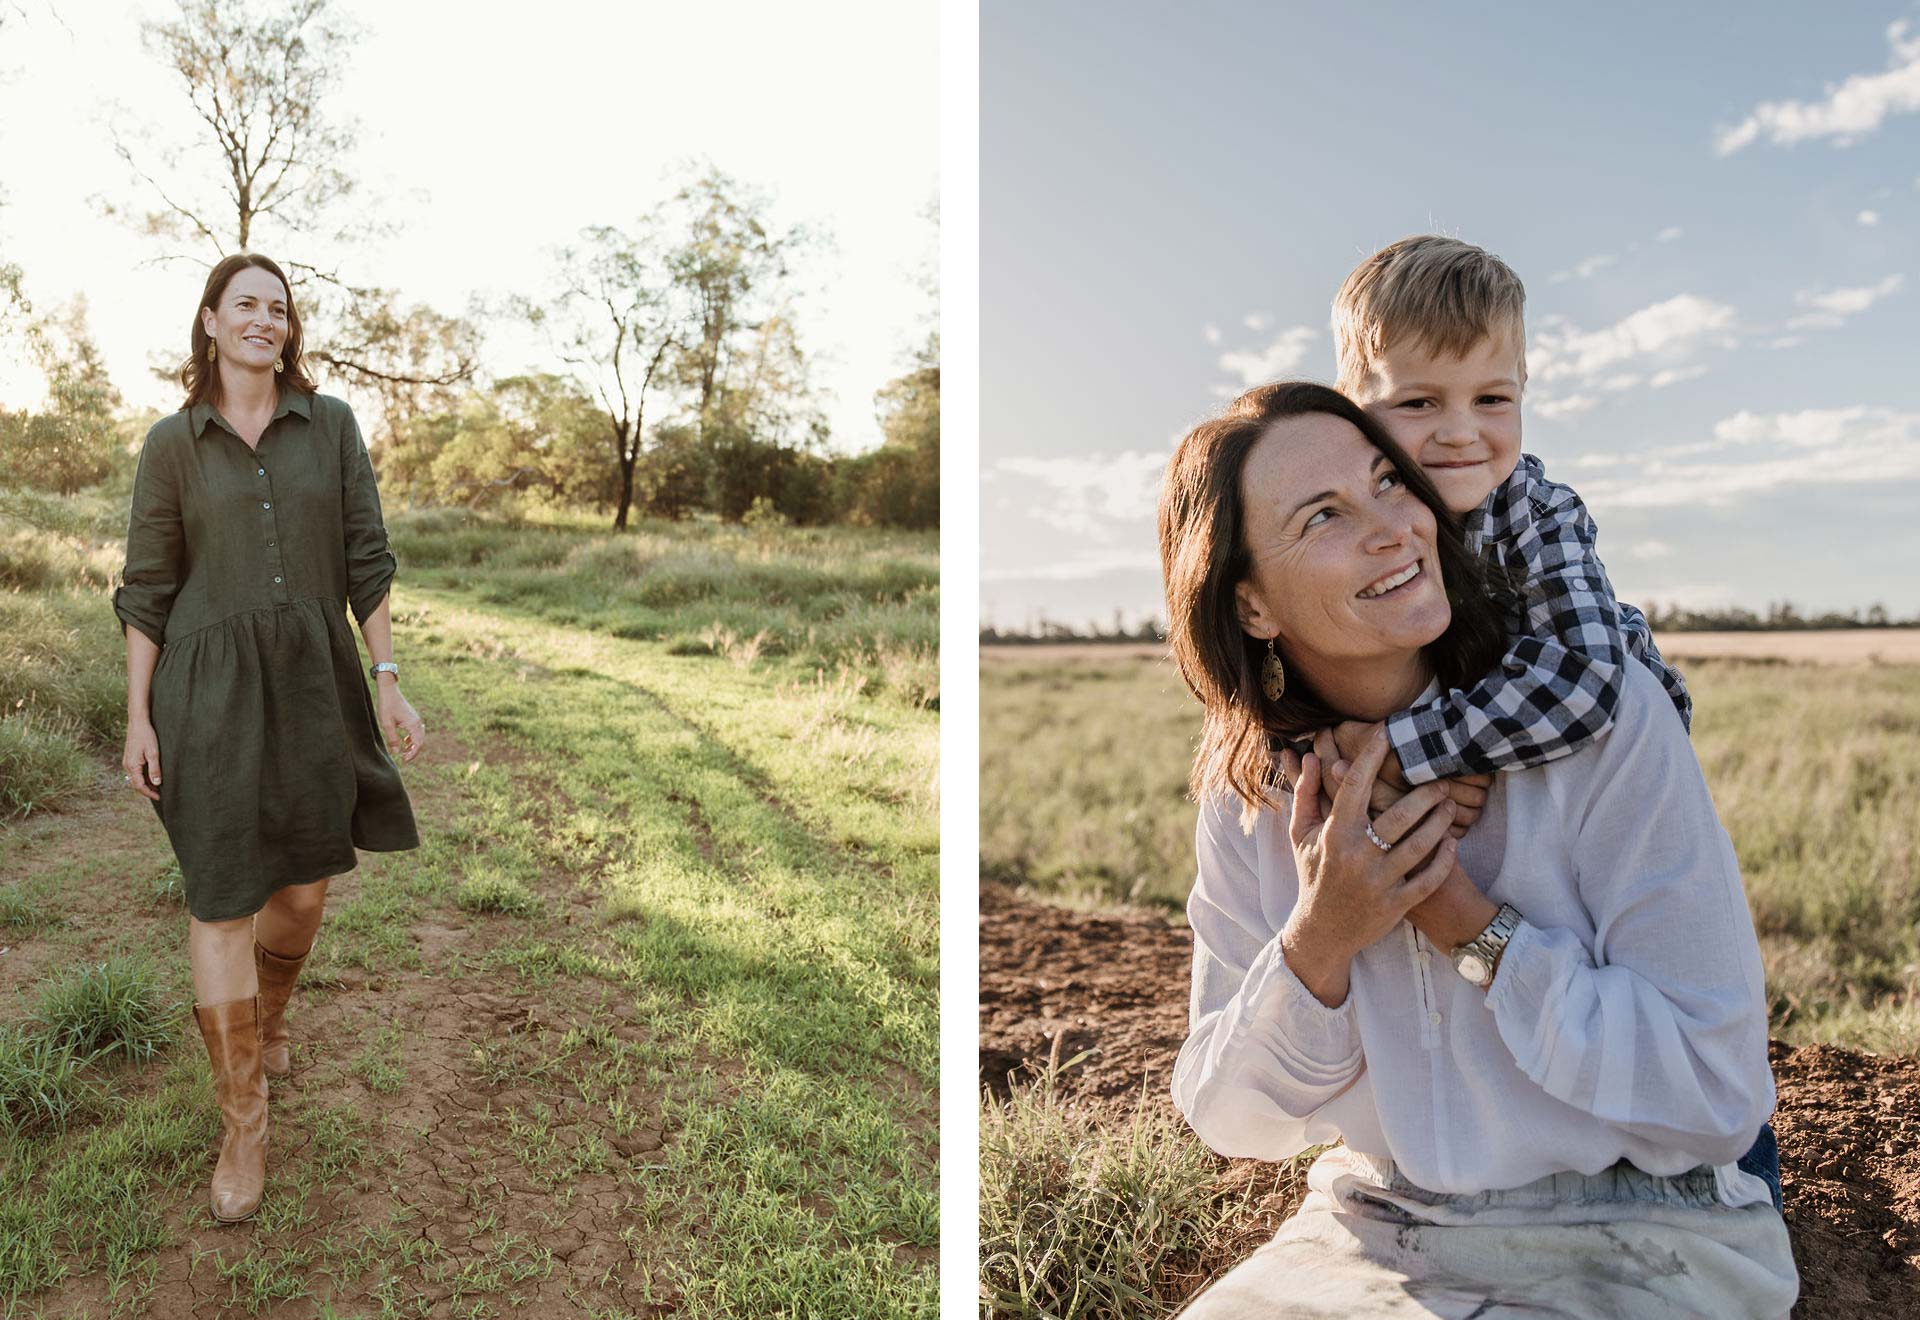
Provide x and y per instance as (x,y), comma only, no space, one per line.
(1815,770)
(648,1024)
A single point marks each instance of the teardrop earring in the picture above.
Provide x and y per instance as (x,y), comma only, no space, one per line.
(210,353)
(278,366)
(1273,675)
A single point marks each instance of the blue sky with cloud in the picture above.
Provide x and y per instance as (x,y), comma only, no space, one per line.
(1716,213)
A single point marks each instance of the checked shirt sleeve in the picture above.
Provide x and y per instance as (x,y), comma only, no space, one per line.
(1557,686)
(1638,635)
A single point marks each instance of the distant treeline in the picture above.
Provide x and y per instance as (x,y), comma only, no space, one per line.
(1780,617)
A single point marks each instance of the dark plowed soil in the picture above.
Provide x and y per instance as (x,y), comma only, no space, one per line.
(1055,983)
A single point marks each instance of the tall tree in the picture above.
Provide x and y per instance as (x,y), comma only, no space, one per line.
(728,260)
(620,324)
(68,444)
(265,163)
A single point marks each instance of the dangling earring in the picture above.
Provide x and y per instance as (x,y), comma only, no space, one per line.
(210,350)
(278,366)
(1273,675)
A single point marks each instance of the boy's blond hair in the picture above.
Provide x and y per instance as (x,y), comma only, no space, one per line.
(1444,294)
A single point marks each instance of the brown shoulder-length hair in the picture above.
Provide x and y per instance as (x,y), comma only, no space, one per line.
(1203,556)
(200,377)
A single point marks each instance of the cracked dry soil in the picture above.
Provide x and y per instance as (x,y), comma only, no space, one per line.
(438,1151)
(1848,1122)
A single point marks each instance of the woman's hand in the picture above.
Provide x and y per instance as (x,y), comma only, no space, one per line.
(404,730)
(141,758)
(1352,892)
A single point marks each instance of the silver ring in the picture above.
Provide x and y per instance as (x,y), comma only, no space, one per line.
(1378,842)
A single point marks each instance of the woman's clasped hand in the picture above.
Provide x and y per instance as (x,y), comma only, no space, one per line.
(1353,891)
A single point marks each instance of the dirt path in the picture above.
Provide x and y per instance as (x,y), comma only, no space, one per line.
(1848,1123)
(480,1181)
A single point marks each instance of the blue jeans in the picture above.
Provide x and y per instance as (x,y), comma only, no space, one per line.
(1764,1160)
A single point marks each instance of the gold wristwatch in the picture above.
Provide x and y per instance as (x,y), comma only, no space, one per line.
(1480,956)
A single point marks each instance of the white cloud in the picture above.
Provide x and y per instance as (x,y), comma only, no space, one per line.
(1868,217)
(1211,333)
(1668,234)
(1787,341)
(1674,375)
(1079,568)
(1585,269)
(1666,329)
(1624,381)
(1087,494)
(1257,321)
(1835,305)
(1851,110)
(1567,407)
(1648,550)
(1277,359)
(1755,453)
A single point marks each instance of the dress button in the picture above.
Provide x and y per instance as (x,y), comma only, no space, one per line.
(266,504)
(261,472)
(1434,1018)
(276,579)
(269,542)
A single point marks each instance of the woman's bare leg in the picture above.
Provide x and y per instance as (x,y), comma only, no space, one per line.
(291,918)
(222,956)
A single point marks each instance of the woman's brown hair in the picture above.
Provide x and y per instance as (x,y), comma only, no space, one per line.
(1203,555)
(200,377)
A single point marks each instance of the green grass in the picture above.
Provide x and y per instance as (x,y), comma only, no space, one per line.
(685,803)
(116,1006)
(1815,773)
(1086,1215)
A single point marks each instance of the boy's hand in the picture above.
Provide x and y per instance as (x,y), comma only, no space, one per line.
(1468,792)
(1349,738)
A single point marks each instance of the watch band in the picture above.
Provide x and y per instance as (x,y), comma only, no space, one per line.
(1478,958)
(384,667)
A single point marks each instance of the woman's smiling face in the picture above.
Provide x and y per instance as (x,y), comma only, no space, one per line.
(1343,565)
(249,324)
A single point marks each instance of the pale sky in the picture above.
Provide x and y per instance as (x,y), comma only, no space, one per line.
(1715,209)
(490,142)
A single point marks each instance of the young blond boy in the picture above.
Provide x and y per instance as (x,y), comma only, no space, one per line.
(1430,335)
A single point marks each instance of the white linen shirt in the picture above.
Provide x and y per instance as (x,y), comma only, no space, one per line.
(1627,1018)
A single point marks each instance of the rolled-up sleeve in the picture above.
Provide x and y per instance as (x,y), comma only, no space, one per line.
(155,547)
(370,561)
(1660,1031)
(1262,1055)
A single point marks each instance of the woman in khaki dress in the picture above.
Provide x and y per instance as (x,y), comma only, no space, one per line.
(255,519)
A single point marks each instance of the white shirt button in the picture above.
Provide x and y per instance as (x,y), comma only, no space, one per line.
(266,504)
(262,472)
(276,579)
(1424,955)
(1434,1018)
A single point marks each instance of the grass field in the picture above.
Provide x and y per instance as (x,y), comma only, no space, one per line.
(1815,771)
(1100,1211)
(647,1025)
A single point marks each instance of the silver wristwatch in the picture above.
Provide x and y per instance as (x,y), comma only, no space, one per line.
(384,667)
(1477,958)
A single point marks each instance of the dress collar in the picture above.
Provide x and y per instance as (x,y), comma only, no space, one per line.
(294,401)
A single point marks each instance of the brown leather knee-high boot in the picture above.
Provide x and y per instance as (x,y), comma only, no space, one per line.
(232,1033)
(277,975)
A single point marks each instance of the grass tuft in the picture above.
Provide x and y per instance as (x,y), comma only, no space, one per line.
(40,1082)
(497,893)
(110,1007)
(1085,1216)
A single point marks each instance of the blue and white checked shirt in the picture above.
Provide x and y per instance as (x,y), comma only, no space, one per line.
(1560,680)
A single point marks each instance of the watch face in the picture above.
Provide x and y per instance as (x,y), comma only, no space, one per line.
(1474,968)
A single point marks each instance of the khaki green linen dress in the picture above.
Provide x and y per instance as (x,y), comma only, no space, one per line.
(272,767)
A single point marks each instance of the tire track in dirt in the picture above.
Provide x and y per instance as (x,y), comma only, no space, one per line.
(1056,982)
